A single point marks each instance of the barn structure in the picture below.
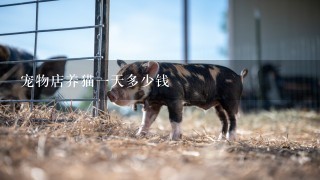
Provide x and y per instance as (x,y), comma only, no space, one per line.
(284,34)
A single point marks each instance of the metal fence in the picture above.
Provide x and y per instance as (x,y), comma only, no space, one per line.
(100,57)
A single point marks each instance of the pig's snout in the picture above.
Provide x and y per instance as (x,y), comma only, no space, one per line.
(112,96)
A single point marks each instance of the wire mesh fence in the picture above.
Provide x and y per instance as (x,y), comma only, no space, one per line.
(99,58)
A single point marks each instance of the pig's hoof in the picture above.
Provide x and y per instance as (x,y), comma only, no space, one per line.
(141,134)
(175,137)
(231,136)
(222,137)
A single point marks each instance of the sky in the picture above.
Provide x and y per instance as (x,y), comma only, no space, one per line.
(139,30)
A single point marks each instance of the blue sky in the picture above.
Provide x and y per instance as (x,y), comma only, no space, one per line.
(152,29)
(139,30)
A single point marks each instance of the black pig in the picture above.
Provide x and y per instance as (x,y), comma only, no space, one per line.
(16,71)
(202,85)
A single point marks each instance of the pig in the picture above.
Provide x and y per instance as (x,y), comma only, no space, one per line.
(292,91)
(201,85)
(8,71)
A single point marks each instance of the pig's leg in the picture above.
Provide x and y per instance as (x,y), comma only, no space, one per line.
(231,107)
(150,113)
(233,126)
(224,121)
(175,114)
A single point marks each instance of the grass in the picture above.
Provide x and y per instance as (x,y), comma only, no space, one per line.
(47,144)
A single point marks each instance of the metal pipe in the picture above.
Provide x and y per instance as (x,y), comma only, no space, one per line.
(24,3)
(101,38)
(257,19)
(49,60)
(186,30)
(97,36)
(46,100)
(34,64)
(52,30)
(105,54)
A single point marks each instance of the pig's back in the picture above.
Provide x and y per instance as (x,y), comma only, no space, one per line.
(197,84)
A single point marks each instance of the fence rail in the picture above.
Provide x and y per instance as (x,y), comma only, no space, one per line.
(100,56)
(48,100)
(25,3)
(49,60)
(52,30)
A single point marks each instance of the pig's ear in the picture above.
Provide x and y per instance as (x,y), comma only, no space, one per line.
(152,68)
(4,53)
(49,69)
(121,63)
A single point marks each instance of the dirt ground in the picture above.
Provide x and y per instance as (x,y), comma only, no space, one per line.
(47,144)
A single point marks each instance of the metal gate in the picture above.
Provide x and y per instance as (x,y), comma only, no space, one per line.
(100,57)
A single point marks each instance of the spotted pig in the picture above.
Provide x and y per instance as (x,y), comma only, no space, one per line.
(201,85)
